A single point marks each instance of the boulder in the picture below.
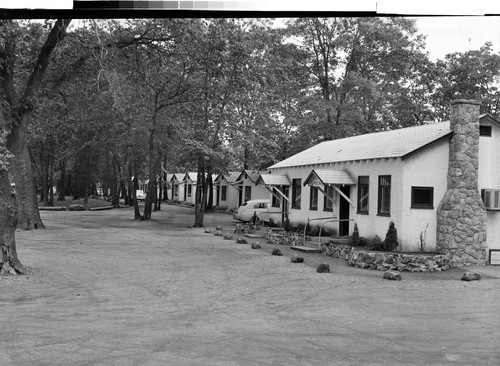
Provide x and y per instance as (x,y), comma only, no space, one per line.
(241,240)
(256,245)
(218,233)
(296,259)
(277,252)
(392,275)
(471,276)
(218,227)
(208,231)
(228,237)
(323,268)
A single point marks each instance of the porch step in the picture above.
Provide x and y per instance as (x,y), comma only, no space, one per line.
(277,229)
(306,249)
(344,241)
(253,235)
(312,244)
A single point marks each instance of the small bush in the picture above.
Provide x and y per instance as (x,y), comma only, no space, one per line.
(372,243)
(391,238)
(355,236)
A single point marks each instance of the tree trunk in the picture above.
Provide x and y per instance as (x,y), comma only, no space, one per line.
(9,262)
(135,184)
(199,206)
(62,180)
(26,199)
(210,188)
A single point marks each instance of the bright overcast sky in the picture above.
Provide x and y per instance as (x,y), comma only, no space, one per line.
(459,34)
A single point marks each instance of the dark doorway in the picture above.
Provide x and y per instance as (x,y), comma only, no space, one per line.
(284,204)
(240,195)
(344,208)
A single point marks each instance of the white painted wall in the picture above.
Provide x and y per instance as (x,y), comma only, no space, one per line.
(427,168)
(368,225)
(231,200)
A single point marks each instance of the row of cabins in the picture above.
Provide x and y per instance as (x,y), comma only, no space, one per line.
(230,190)
(439,183)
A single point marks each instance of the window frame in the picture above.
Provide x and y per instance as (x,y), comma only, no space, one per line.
(296,193)
(247,194)
(329,190)
(384,191)
(485,130)
(313,198)
(361,185)
(189,190)
(422,205)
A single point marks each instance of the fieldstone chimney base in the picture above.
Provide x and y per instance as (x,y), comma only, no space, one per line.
(461,215)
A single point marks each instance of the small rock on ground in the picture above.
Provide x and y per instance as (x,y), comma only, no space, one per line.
(392,275)
(208,231)
(256,245)
(323,268)
(277,252)
(297,259)
(228,237)
(218,233)
(471,276)
(241,240)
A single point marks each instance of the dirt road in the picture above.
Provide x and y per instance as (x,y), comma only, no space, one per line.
(104,289)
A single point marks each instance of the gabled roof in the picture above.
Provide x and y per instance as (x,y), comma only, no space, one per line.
(253,175)
(176,177)
(230,177)
(387,144)
(193,176)
(326,177)
(273,180)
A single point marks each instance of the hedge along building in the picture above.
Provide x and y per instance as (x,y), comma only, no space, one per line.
(402,176)
(226,193)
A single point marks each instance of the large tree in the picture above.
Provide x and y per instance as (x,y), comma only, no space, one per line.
(24,58)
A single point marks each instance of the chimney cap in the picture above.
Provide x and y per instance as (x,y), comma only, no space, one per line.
(466,101)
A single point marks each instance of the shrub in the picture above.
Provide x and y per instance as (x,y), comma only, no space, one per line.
(355,236)
(372,243)
(391,238)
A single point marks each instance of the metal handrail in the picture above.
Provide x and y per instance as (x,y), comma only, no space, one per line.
(266,214)
(323,224)
(321,228)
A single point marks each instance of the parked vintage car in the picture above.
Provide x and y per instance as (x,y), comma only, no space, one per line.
(141,196)
(247,210)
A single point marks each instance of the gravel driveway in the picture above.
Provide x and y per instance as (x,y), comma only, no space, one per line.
(104,289)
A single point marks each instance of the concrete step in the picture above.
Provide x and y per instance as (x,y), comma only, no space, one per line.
(312,244)
(344,240)
(254,235)
(306,249)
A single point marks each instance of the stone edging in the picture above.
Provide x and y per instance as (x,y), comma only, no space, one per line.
(382,261)
(363,258)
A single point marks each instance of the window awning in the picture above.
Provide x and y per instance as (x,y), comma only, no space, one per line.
(273,180)
(329,177)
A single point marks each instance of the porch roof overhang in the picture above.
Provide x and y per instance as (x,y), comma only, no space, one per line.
(320,177)
(273,180)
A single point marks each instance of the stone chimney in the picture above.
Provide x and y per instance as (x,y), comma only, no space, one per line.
(461,214)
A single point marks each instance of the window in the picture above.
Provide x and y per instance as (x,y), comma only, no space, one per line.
(363,189)
(485,131)
(276,197)
(296,192)
(327,203)
(384,195)
(491,198)
(422,197)
(189,189)
(248,193)
(223,193)
(260,205)
(313,198)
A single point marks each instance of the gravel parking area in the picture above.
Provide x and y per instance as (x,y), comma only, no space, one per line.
(104,289)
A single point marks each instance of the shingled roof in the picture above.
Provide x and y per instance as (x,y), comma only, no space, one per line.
(387,144)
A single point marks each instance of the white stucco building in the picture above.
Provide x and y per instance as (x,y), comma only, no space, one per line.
(373,179)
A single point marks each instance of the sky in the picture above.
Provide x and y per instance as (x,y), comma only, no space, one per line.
(445,34)
(458,34)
